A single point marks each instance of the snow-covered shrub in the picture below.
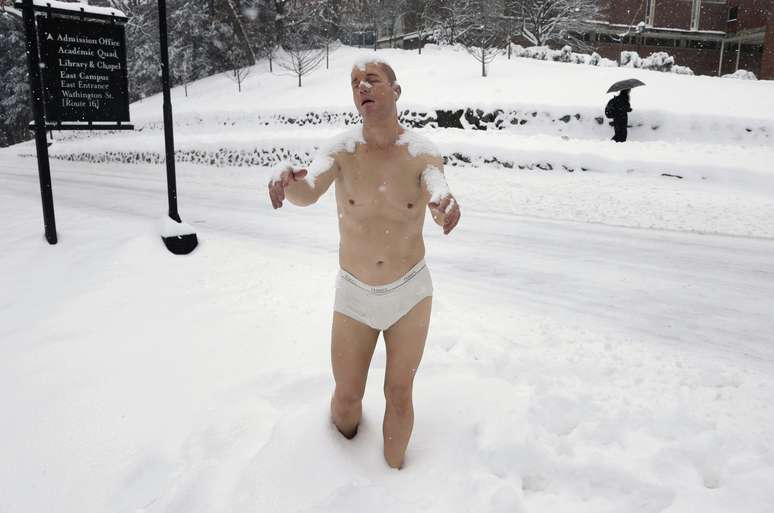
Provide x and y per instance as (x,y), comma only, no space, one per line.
(544,53)
(541,53)
(658,61)
(630,60)
(682,70)
(742,74)
(566,54)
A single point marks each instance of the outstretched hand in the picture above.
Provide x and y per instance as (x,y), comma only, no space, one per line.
(447,209)
(279,183)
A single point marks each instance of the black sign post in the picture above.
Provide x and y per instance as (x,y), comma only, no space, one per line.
(36,91)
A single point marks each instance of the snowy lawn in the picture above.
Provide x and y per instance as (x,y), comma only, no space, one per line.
(572,365)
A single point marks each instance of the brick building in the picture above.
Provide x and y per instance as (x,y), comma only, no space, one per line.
(710,36)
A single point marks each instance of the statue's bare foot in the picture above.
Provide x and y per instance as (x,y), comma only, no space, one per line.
(347,435)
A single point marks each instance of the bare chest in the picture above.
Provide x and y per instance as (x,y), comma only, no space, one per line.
(379,184)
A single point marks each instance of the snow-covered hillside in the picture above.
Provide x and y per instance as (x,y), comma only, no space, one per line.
(601,340)
(546,115)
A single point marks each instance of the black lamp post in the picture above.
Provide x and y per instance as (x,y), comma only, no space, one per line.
(182,242)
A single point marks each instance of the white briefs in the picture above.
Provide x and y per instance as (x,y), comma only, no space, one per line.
(381,307)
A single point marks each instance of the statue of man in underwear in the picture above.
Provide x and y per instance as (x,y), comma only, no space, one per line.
(384,175)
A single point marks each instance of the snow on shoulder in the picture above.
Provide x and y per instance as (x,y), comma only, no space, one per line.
(418,144)
(78,7)
(347,142)
(344,142)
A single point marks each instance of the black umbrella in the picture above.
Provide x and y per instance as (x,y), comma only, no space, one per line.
(625,84)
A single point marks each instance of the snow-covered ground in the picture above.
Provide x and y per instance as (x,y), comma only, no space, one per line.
(601,341)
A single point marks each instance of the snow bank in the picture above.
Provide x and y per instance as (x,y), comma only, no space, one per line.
(742,75)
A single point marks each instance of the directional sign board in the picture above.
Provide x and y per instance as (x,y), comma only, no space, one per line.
(84,72)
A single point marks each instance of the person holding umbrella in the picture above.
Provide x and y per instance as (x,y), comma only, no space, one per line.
(619,107)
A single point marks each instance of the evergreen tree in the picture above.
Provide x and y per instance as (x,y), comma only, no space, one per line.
(191,33)
(15,106)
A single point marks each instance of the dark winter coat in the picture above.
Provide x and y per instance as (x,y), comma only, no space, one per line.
(618,109)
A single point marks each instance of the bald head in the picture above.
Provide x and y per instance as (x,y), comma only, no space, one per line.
(388,71)
(382,65)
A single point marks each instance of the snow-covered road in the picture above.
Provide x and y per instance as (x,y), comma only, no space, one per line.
(685,288)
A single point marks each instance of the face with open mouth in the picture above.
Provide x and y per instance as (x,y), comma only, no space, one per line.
(371,90)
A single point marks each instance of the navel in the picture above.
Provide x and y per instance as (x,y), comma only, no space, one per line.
(380,262)
(351,202)
(410,205)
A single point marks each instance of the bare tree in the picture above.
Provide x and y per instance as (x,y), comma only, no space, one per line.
(484,36)
(233,54)
(449,19)
(302,44)
(239,64)
(182,69)
(560,21)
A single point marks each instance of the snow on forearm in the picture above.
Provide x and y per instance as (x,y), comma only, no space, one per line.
(278,169)
(436,184)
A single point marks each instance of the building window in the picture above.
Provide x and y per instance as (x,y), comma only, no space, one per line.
(733,12)
(695,14)
(670,43)
(650,12)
